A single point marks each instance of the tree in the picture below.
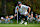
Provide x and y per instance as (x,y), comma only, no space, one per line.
(4,12)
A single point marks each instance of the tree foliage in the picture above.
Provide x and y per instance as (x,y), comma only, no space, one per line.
(34,4)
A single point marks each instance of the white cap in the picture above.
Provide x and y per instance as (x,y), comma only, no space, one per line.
(2,18)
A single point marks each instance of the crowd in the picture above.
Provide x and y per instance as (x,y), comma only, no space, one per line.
(6,20)
(30,18)
(33,19)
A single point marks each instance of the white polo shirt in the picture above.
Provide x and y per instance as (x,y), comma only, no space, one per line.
(22,10)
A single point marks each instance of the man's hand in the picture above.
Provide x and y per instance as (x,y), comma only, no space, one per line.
(26,14)
(15,15)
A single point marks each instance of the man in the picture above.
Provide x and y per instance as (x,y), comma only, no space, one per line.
(32,19)
(7,20)
(22,9)
(38,19)
(11,19)
(28,19)
(2,20)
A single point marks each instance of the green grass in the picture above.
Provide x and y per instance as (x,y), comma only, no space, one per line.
(19,25)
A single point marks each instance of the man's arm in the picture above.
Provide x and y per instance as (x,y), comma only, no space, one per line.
(16,9)
(29,9)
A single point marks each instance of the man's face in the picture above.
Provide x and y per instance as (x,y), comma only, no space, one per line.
(6,17)
(19,5)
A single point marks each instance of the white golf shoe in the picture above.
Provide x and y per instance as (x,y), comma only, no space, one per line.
(25,23)
(21,22)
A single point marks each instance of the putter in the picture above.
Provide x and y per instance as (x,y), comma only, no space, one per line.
(17,15)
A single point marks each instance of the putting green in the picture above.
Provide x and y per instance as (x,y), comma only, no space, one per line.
(19,25)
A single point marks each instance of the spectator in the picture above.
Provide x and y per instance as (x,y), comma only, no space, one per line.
(32,18)
(36,16)
(28,18)
(2,20)
(39,19)
(11,19)
(7,21)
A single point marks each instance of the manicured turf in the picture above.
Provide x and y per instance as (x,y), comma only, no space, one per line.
(19,25)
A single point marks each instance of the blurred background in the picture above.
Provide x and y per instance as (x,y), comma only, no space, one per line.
(7,7)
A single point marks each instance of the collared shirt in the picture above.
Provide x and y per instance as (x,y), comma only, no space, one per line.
(22,10)
(7,20)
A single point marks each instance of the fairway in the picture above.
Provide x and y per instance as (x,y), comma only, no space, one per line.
(19,25)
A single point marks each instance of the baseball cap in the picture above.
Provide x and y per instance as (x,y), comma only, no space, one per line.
(19,2)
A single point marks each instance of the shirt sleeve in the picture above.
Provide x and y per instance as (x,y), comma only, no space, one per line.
(16,9)
(26,7)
